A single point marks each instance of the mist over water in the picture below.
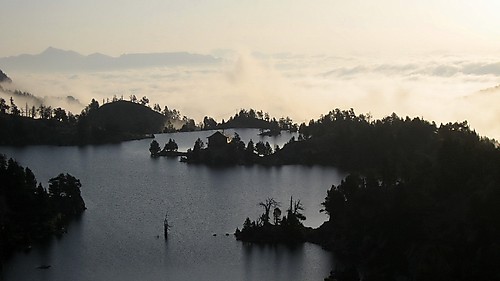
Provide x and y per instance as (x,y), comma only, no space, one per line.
(438,88)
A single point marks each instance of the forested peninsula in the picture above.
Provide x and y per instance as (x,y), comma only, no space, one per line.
(421,201)
(30,213)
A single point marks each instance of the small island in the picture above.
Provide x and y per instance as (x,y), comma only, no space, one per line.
(223,150)
(169,150)
(283,229)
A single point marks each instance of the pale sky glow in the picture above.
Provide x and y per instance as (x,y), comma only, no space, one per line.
(333,27)
(437,59)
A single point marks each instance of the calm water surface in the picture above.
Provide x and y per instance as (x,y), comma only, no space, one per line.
(127,194)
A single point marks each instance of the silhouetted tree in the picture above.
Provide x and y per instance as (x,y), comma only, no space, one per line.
(277,215)
(276,148)
(45,112)
(188,126)
(297,210)
(14,110)
(3,106)
(294,213)
(209,123)
(250,148)
(171,145)
(144,101)
(154,148)
(33,112)
(237,143)
(268,150)
(60,114)
(247,225)
(166,112)
(268,204)
(64,190)
(89,109)
(260,114)
(72,119)
(263,149)
(176,115)
(198,145)
(94,105)
(260,147)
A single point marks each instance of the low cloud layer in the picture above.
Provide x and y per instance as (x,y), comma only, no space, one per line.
(442,89)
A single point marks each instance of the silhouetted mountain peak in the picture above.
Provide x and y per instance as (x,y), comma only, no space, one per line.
(50,50)
(54,52)
(97,55)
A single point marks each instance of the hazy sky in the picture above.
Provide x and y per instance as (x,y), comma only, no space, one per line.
(436,59)
(382,27)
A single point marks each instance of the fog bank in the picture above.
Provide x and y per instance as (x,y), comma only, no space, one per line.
(442,88)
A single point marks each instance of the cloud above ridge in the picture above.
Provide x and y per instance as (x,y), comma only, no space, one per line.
(443,89)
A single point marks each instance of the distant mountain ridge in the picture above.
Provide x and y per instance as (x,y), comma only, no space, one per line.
(53,59)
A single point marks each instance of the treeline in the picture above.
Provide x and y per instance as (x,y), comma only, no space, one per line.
(175,121)
(421,202)
(112,122)
(42,111)
(42,124)
(33,107)
(252,119)
(62,127)
(29,212)
(389,146)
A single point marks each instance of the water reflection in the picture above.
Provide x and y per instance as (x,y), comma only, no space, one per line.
(127,194)
(283,262)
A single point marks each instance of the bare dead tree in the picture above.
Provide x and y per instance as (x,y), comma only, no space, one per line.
(268,204)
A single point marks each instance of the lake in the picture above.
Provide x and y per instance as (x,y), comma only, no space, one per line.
(127,193)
